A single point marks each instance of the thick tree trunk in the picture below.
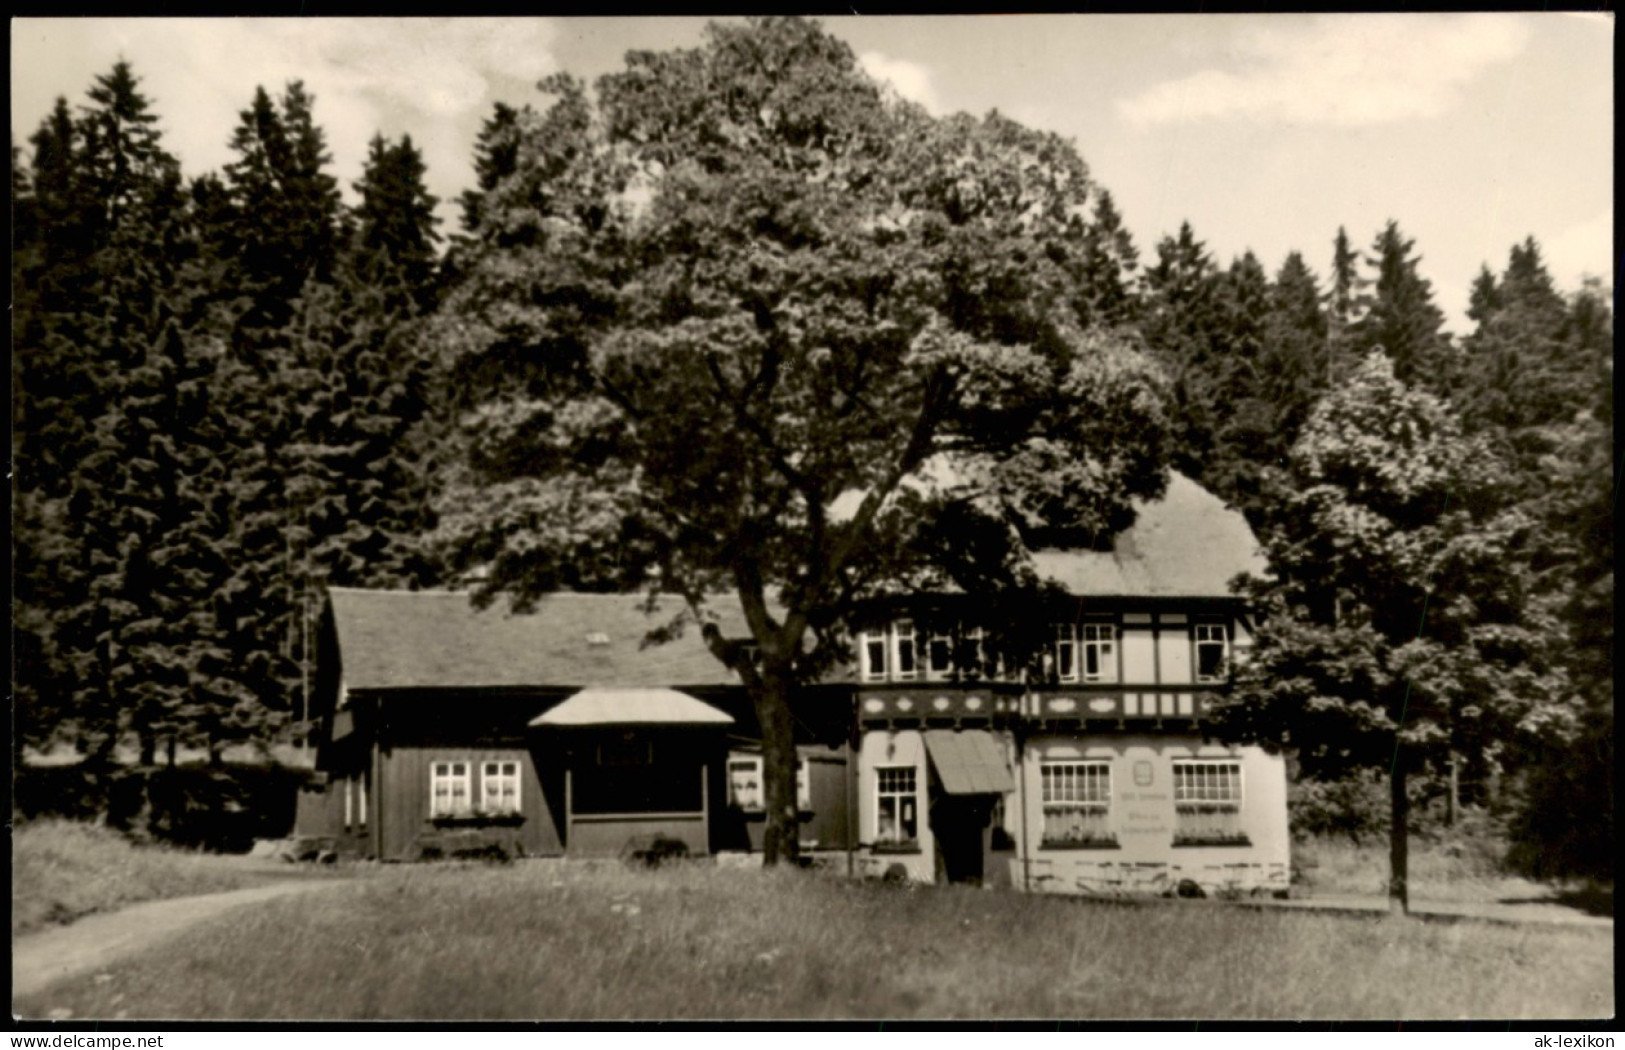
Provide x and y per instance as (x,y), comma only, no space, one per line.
(781,840)
(1399,897)
(149,748)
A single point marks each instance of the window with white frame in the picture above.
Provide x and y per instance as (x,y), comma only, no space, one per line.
(745,783)
(1212,648)
(939,657)
(451,791)
(975,660)
(903,642)
(1098,643)
(1086,652)
(1077,800)
(355,802)
(1207,801)
(896,806)
(747,786)
(873,655)
(1066,653)
(499,787)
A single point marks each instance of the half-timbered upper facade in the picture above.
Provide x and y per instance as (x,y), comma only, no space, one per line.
(1085,769)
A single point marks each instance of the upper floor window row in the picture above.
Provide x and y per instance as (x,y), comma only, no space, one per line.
(1090,650)
(901,652)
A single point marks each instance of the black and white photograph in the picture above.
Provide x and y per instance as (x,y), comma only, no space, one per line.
(1088,518)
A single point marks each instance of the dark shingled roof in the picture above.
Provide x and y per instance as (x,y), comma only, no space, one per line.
(437,639)
(1187,544)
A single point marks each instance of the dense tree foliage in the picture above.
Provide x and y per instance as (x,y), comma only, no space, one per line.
(1433,643)
(1539,385)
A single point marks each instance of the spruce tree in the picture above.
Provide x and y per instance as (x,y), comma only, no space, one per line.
(109,218)
(395,221)
(1108,262)
(286,205)
(496,156)
(1178,322)
(1276,392)
(1398,313)
(1342,301)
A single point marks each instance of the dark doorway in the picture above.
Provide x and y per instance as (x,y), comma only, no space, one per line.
(960,824)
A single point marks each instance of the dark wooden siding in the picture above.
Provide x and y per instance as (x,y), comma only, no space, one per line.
(322,809)
(831,802)
(313,813)
(404,797)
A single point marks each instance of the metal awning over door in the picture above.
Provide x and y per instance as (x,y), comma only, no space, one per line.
(968,762)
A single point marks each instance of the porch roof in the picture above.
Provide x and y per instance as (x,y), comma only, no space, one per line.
(612,707)
(968,761)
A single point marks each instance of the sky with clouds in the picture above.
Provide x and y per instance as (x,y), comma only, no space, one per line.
(1266,132)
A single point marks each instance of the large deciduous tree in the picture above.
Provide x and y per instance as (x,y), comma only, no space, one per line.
(713,331)
(1430,643)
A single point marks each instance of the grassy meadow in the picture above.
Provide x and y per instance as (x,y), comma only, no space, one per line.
(64,870)
(1467,870)
(541,939)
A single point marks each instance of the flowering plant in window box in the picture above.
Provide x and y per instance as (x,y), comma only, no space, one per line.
(1211,838)
(478,819)
(1080,839)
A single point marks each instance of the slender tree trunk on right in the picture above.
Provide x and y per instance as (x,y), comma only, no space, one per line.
(1453,810)
(1399,898)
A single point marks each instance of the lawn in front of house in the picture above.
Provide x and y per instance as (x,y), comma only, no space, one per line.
(555,940)
(63,870)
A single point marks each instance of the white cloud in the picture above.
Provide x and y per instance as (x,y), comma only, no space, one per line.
(1584,249)
(1341,70)
(434,78)
(912,80)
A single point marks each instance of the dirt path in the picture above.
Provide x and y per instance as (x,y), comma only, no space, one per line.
(39,960)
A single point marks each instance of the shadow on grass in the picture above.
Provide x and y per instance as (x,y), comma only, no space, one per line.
(1593,900)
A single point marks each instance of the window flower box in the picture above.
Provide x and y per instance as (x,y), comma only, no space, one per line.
(477,820)
(1212,838)
(1102,840)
